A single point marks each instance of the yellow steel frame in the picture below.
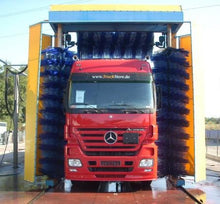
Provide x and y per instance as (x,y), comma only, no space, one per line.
(185,43)
(115,7)
(32,101)
(196,144)
(37,41)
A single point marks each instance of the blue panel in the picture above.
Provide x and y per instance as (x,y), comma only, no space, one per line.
(114,16)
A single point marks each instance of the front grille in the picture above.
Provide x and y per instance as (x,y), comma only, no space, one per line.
(98,153)
(111,147)
(110,166)
(110,169)
(109,176)
(93,143)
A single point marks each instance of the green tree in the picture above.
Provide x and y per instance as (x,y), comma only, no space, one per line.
(4,115)
(212,123)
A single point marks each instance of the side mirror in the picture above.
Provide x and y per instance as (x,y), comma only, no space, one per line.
(159,96)
(68,41)
(68,38)
(161,43)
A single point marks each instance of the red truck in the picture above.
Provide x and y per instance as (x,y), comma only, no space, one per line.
(111,127)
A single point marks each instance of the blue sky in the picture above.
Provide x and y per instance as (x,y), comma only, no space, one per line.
(17,15)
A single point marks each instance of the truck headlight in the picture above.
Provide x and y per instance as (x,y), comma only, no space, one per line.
(146,163)
(74,163)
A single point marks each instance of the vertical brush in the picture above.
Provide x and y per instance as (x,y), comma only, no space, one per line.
(171,74)
(56,64)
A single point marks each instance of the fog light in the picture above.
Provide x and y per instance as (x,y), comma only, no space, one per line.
(146,163)
(73,170)
(74,162)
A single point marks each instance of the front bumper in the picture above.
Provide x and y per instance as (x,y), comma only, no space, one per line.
(111,168)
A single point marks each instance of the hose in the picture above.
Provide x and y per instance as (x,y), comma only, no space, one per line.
(10,112)
(190,195)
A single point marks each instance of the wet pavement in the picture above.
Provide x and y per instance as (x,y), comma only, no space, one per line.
(13,188)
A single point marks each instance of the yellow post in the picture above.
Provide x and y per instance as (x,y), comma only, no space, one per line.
(185,43)
(32,101)
(36,43)
(196,153)
(59,36)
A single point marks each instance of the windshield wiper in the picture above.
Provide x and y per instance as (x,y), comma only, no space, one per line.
(87,108)
(121,104)
(132,109)
(91,108)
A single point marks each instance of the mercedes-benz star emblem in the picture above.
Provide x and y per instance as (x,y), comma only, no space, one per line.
(110,137)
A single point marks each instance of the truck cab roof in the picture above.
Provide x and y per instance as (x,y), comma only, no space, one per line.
(111,65)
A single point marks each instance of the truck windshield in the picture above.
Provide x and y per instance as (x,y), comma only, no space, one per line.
(111,95)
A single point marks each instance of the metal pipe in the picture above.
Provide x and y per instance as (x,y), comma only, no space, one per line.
(169,36)
(217,141)
(15,113)
(59,35)
(15,121)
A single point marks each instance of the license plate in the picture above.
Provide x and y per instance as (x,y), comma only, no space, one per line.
(110,163)
(130,138)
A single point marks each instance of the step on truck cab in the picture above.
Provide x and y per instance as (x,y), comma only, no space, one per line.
(111,127)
